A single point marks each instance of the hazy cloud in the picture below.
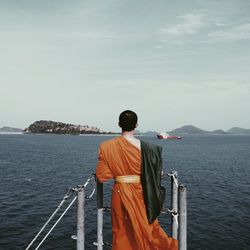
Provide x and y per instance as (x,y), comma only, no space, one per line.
(85,61)
(229,33)
(189,24)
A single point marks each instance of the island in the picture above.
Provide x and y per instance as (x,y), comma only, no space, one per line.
(238,131)
(192,130)
(10,130)
(52,127)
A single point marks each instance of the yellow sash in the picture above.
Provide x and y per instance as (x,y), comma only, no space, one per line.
(128,179)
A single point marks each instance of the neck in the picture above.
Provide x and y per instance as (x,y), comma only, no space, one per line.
(128,133)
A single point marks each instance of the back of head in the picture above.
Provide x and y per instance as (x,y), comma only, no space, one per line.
(128,120)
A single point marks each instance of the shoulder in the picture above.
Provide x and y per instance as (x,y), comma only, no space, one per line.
(145,146)
(109,143)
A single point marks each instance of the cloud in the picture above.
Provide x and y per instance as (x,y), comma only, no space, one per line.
(190,24)
(229,33)
(212,29)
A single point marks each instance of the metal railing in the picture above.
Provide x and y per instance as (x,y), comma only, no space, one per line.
(80,197)
(178,211)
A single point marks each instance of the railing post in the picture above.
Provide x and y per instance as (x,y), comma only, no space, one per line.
(80,217)
(182,215)
(99,215)
(174,189)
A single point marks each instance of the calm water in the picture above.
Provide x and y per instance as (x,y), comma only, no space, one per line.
(36,170)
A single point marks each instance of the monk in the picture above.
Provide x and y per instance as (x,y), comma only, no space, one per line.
(120,159)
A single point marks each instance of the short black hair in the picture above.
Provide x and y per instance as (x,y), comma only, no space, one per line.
(128,120)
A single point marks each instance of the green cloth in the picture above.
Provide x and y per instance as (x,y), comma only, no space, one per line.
(153,192)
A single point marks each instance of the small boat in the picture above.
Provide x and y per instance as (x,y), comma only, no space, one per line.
(164,135)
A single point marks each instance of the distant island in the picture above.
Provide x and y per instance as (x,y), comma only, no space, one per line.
(192,130)
(238,131)
(52,127)
(10,130)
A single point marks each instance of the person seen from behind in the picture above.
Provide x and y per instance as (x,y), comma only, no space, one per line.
(137,195)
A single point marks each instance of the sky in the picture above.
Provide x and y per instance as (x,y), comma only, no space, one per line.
(174,63)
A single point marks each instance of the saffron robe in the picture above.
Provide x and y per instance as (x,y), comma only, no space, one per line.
(130,227)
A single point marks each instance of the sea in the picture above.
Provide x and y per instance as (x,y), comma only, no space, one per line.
(36,170)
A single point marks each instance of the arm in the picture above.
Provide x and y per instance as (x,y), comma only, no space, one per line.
(103,172)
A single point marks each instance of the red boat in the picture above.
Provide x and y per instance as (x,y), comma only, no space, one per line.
(167,136)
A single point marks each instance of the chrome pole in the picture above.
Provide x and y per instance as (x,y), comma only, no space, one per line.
(174,189)
(182,215)
(80,218)
(99,215)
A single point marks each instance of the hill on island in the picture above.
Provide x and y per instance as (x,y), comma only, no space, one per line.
(10,129)
(52,127)
(190,129)
(238,131)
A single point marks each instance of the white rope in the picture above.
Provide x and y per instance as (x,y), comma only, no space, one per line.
(175,215)
(50,218)
(92,175)
(57,209)
(88,180)
(90,196)
(174,178)
(56,222)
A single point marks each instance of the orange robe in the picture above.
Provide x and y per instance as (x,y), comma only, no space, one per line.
(130,227)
